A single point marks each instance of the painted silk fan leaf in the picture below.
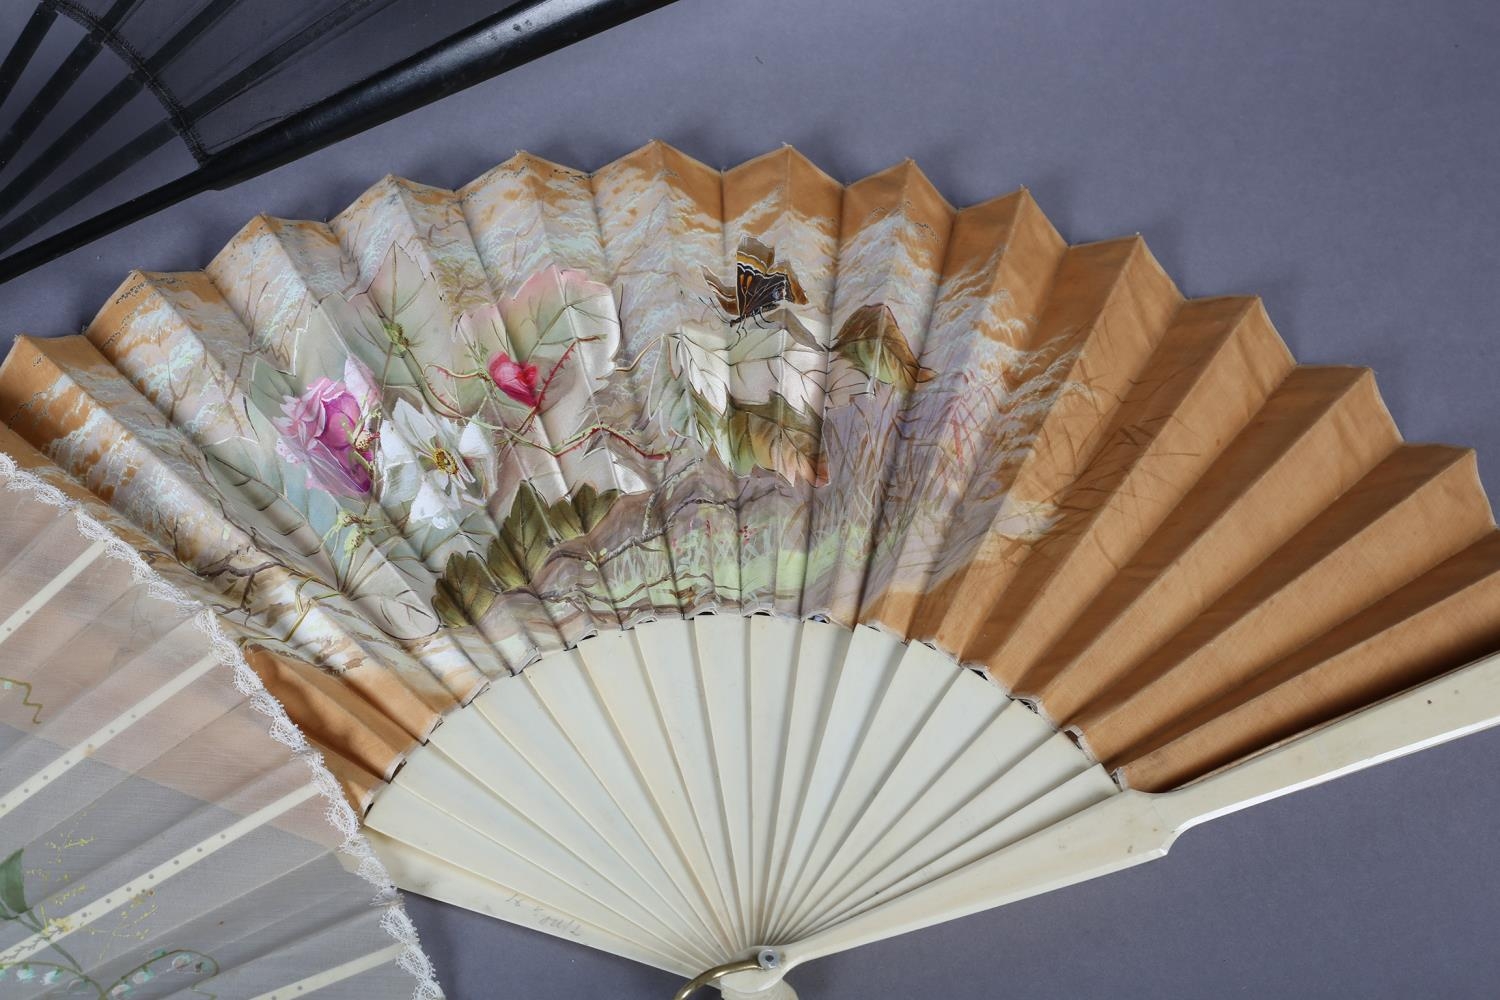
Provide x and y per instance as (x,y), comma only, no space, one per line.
(699,357)
(750,393)
(465,592)
(641,499)
(567,326)
(775,436)
(563,334)
(531,529)
(785,359)
(872,342)
(531,532)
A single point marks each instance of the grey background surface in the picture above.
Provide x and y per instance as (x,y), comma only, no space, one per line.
(1340,159)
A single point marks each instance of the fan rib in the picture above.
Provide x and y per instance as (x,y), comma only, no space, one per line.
(441,879)
(657,796)
(1010,735)
(551,753)
(668,663)
(250,947)
(774,654)
(84,749)
(79,919)
(470,848)
(720,652)
(499,763)
(864,678)
(337,974)
(812,702)
(495,763)
(913,692)
(661,790)
(37,601)
(442,810)
(1072,797)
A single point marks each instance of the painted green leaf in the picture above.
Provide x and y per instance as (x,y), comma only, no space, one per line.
(563,521)
(396,335)
(698,356)
(872,341)
(469,584)
(706,421)
(775,436)
(681,409)
(508,573)
(591,505)
(526,530)
(557,312)
(12,887)
(465,591)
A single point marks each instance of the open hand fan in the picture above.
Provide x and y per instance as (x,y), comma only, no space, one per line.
(155,840)
(1017,562)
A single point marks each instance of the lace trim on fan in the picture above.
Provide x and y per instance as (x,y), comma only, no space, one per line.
(340,814)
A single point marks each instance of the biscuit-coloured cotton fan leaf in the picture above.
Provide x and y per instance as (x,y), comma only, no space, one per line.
(694,562)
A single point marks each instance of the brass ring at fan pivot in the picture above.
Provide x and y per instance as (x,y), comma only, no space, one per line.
(715,974)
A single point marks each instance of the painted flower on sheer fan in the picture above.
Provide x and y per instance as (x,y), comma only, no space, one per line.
(331,430)
(53,964)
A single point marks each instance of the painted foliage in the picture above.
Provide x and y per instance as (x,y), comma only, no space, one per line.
(449,432)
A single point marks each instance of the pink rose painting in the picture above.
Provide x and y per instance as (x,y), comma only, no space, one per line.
(329,429)
(515,379)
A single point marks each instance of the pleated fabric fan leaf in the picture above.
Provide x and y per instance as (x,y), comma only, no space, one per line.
(737,566)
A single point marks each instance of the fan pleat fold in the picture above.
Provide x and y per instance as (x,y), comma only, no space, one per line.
(154,836)
(686,560)
(893,236)
(1215,368)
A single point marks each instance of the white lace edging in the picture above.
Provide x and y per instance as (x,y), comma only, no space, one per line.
(341,816)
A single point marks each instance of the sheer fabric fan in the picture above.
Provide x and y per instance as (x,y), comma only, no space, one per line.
(728,568)
(156,840)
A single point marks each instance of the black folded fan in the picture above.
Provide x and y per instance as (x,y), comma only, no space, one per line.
(113,109)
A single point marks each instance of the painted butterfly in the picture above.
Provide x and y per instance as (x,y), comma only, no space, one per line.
(760,283)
